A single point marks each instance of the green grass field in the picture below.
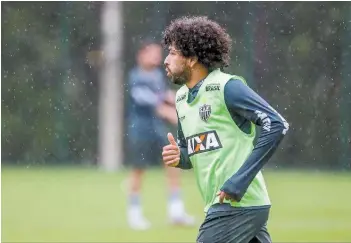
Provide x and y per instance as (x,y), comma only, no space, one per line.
(88,205)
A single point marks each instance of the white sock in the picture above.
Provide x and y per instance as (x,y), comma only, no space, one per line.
(134,212)
(175,208)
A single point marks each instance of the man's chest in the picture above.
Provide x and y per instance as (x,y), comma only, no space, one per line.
(200,116)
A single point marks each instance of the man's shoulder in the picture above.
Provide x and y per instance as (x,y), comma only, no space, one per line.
(232,76)
(133,74)
(181,93)
(159,71)
(159,74)
(222,77)
(134,70)
(182,89)
(138,76)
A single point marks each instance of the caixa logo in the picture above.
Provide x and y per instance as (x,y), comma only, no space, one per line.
(203,142)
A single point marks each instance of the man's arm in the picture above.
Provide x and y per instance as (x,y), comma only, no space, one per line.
(141,93)
(170,97)
(167,113)
(167,110)
(243,101)
(184,162)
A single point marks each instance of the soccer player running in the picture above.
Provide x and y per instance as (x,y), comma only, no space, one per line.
(217,113)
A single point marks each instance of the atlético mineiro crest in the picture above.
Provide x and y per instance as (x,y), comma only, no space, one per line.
(205,112)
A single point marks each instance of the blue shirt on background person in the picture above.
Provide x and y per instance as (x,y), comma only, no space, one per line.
(147,91)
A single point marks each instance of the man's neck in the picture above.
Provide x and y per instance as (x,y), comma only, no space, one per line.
(197,75)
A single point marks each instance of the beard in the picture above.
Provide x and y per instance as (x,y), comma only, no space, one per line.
(182,77)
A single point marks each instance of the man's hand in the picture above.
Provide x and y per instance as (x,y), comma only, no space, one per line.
(171,152)
(222,195)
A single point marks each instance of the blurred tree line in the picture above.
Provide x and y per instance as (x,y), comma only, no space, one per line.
(295,54)
(49,97)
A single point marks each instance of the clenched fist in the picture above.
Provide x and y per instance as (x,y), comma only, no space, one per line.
(171,152)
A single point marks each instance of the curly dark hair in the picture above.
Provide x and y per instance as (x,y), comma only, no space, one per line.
(201,37)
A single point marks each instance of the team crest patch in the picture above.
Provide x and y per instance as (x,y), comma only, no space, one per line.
(205,112)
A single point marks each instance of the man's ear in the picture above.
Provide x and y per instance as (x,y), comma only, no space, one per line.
(193,61)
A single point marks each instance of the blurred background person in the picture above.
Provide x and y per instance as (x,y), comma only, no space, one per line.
(151,105)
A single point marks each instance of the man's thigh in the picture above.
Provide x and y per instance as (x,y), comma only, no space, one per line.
(262,236)
(239,226)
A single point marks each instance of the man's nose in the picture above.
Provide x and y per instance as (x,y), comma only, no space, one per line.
(165,62)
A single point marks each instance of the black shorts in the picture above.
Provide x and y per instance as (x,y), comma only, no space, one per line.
(145,143)
(245,225)
(144,153)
